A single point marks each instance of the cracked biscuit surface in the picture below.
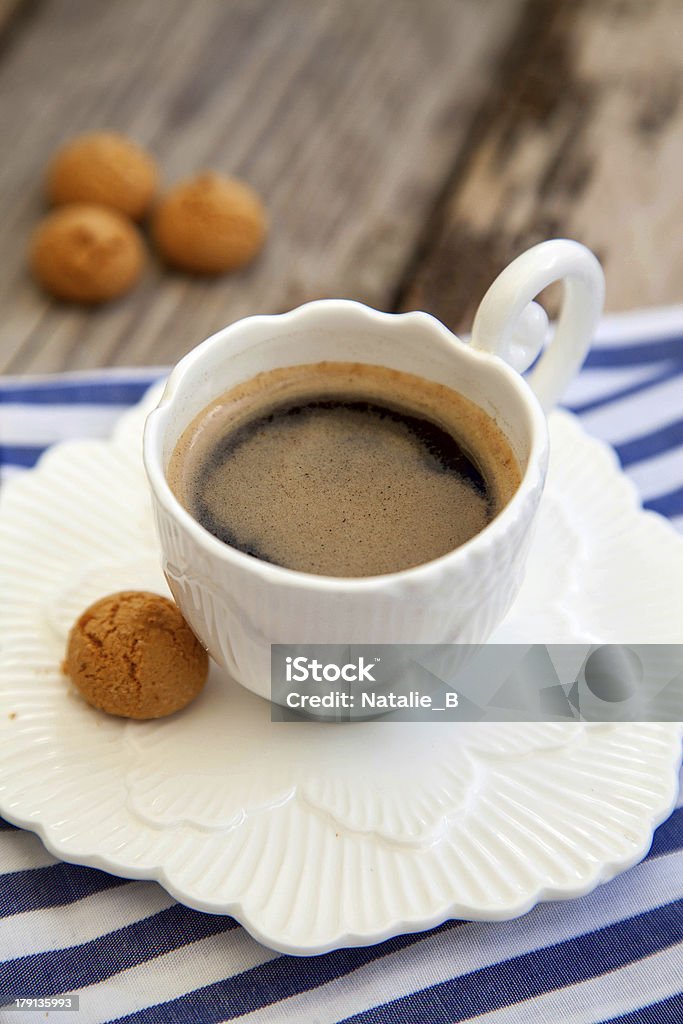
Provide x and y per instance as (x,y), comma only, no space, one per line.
(132,654)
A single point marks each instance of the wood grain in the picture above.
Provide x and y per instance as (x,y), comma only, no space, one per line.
(581,136)
(347,117)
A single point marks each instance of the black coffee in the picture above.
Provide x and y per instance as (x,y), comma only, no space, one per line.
(343,469)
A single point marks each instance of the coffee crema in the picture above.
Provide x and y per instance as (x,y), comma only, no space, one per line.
(343,469)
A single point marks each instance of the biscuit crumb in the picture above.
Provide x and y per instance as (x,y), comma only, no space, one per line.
(133,655)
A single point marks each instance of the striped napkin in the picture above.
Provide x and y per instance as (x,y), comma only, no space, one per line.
(131,953)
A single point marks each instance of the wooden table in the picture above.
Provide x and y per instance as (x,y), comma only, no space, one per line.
(406,150)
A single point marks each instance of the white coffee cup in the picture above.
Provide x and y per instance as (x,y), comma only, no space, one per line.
(237,605)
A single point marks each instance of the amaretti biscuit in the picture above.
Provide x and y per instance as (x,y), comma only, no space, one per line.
(84,253)
(209,224)
(104,168)
(132,654)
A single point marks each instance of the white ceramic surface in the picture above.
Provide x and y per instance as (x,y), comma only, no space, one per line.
(318,836)
(239,606)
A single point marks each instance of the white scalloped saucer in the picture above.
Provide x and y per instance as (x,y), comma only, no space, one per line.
(317,836)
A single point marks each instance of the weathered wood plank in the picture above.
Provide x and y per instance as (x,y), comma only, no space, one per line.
(346,117)
(582,135)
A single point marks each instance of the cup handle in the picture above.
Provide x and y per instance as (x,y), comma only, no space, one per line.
(509,324)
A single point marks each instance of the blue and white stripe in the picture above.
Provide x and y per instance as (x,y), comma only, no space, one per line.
(133,954)
(38,411)
(630,394)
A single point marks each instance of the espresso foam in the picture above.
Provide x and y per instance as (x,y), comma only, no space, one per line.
(343,469)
